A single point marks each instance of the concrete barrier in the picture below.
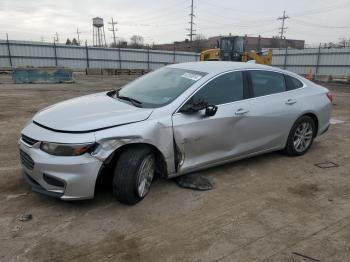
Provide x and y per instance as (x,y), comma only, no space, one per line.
(323,78)
(94,71)
(108,71)
(41,75)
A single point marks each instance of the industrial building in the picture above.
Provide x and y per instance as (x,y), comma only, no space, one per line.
(252,43)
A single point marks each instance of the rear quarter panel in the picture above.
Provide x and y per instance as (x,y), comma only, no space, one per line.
(314,100)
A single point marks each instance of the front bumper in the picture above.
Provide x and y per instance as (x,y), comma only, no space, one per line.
(67,178)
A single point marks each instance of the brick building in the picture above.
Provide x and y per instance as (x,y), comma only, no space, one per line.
(252,43)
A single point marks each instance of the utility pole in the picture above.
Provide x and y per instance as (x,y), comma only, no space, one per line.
(113,29)
(283,28)
(78,33)
(191,30)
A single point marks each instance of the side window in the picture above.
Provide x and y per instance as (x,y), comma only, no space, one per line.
(222,89)
(292,83)
(267,83)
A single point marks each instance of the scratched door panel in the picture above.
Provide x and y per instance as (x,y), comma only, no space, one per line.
(203,140)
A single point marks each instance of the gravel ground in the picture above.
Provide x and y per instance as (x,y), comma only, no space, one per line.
(268,208)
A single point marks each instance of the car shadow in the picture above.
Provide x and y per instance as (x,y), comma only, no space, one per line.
(104,193)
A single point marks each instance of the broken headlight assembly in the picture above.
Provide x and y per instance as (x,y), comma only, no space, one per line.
(58,149)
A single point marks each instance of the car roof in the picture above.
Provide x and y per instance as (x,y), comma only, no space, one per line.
(215,67)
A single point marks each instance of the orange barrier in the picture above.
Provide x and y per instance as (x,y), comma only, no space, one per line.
(309,75)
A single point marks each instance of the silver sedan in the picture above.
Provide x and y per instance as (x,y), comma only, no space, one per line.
(175,120)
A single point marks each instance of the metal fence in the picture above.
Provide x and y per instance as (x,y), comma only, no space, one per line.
(315,61)
(14,54)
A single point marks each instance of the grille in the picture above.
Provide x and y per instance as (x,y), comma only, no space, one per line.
(28,140)
(53,181)
(26,160)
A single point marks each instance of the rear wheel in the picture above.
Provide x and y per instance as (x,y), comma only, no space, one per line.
(301,136)
(133,174)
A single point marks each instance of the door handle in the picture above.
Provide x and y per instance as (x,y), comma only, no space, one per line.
(291,102)
(241,112)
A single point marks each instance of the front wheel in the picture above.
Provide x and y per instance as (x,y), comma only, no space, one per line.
(133,175)
(301,136)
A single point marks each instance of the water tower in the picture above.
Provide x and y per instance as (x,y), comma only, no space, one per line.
(98,32)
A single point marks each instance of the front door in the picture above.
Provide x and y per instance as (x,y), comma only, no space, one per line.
(202,140)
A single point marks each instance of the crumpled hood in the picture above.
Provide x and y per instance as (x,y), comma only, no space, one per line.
(90,113)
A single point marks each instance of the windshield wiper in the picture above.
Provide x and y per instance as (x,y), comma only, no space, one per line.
(134,101)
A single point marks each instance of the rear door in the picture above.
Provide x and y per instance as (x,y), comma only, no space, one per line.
(274,108)
(202,140)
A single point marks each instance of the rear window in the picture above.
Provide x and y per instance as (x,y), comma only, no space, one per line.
(267,83)
(292,83)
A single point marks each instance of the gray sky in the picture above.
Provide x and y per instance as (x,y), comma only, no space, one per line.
(165,21)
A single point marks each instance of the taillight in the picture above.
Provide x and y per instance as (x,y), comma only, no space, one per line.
(330,96)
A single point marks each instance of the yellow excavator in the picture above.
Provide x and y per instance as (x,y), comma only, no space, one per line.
(232,48)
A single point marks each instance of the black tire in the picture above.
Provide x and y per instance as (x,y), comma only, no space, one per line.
(126,174)
(290,148)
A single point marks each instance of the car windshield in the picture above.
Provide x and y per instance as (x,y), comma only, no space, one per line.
(235,44)
(238,44)
(160,87)
(226,44)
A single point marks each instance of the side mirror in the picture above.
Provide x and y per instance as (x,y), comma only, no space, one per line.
(192,107)
(210,110)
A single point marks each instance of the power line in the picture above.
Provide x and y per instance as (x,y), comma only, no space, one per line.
(113,29)
(215,24)
(262,32)
(305,23)
(163,10)
(233,9)
(318,34)
(321,10)
(166,13)
(191,30)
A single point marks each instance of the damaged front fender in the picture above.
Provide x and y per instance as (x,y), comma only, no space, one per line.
(156,133)
(108,145)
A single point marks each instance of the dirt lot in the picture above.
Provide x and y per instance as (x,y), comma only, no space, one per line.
(266,208)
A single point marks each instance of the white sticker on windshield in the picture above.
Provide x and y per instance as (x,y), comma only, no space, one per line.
(191,76)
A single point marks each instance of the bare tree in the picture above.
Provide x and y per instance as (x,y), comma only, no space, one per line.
(136,41)
(344,42)
(75,42)
(200,43)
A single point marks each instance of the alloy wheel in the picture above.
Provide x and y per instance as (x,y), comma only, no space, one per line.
(145,175)
(303,137)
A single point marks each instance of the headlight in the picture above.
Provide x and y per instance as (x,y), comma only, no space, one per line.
(58,149)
